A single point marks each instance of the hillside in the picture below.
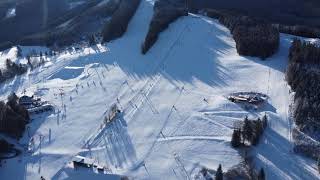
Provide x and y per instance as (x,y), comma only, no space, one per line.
(290,12)
(176,118)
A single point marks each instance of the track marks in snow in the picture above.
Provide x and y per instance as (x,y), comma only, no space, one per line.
(115,145)
(141,97)
(186,137)
(226,113)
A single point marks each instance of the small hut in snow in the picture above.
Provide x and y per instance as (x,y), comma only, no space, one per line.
(80,161)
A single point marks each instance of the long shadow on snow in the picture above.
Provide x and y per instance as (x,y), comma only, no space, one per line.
(114,143)
(286,162)
(32,128)
(30,160)
(279,59)
(187,51)
(180,55)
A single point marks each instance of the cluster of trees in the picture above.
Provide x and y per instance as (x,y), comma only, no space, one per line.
(299,30)
(165,12)
(284,27)
(33,64)
(259,176)
(303,75)
(4,146)
(219,173)
(304,52)
(13,117)
(119,21)
(92,39)
(250,131)
(12,69)
(253,37)
(318,163)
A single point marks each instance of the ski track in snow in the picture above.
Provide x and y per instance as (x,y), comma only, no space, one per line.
(178,138)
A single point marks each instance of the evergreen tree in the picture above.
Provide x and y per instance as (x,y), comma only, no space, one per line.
(219,173)
(258,130)
(42,61)
(1,76)
(12,99)
(236,138)
(19,51)
(319,164)
(254,139)
(247,130)
(261,175)
(259,127)
(92,40)
(29,63)
(4,146)
(264,121)
(9,63)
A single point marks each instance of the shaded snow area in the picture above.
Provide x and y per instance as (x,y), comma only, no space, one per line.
(175,116)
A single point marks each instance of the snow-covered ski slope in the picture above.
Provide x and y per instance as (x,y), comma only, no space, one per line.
(176,118)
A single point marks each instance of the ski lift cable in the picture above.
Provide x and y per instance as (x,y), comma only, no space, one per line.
(157,67)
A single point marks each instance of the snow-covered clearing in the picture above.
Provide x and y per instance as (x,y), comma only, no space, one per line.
(176,118)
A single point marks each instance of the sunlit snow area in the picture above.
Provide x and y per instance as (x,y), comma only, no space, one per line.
(175,116)
(11,13)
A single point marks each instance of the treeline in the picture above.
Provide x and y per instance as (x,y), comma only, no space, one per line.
(299,30)
(13,69)
(245,170)
(252,37)
(119,21)
(13,117)
(4,146)
(304,52)
(250,132)
(303,75)
(241,171)
(165,12)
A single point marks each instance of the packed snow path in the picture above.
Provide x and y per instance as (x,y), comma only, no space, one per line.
(175,118)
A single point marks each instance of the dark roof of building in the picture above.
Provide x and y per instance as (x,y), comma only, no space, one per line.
(82,160)
(25,98)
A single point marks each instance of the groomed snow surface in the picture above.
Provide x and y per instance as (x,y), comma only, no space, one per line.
(167,130)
